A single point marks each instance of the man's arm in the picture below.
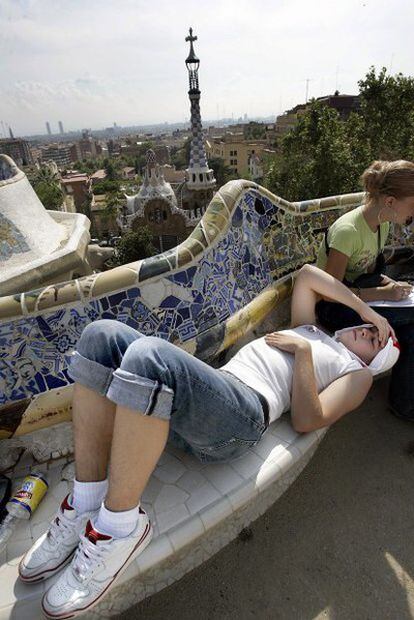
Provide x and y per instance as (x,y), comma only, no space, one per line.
(310,410)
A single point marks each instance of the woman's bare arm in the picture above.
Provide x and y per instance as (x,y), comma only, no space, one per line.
(336,266)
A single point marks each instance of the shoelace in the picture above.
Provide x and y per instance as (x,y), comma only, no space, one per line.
(59,527)
(87,558)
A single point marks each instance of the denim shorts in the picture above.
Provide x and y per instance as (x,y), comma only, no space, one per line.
(212,414)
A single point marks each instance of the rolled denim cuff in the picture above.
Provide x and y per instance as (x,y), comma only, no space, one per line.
(90,373)
(149,397)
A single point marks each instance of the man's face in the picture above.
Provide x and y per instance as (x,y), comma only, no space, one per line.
(363,341)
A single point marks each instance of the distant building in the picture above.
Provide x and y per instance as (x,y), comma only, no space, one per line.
(171,175)
(57,152)
(286,122)
(156,206)
(86,148)
(235,151)
(343,104)
(17,149)
(128,172)
(98,176)
(61,128)
(103,224)
(49,131)
(78,185)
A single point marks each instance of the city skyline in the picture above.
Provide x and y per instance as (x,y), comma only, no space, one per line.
(106,62)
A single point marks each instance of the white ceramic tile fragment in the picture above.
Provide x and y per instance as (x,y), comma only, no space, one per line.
(284,457)
(203,496)
(169,497)
(243,495)
(305,442)
(267,447)
(12,589)
(191,481)
(170,472)
(172,517)
(247,465)
(152,490)
(268,474)
(15,549)
(60,490)
(214,514)
(223,477)
(22,531)
(285,431)
(158,551)
(185,535)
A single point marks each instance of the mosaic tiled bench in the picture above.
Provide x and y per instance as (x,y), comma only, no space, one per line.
(225,283)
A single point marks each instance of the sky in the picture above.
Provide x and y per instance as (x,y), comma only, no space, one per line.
(90,63)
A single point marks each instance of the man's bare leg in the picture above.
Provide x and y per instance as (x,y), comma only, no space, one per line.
(93,421)
(138,442)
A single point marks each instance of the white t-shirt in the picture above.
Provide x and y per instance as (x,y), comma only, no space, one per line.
(270,371)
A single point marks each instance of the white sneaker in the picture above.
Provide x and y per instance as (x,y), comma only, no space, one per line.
(55,548)
(98,561)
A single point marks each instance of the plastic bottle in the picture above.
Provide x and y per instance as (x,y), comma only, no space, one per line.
(22,504)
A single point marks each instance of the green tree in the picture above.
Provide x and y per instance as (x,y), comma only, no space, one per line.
(45,174)
(49,194)
(222,173)
(387,107)
(111,170)
(316,158)
(180,158)
(105,186)
(113,203)
(135,245)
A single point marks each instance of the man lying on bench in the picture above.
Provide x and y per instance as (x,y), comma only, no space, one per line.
(133,392)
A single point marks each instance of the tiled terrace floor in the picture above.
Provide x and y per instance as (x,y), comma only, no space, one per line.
(338,545)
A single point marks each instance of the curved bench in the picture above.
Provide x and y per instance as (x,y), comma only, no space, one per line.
(225,283)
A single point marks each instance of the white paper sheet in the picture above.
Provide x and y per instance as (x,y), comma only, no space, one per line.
(409,301)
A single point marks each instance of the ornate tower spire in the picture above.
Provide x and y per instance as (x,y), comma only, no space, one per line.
(199,175)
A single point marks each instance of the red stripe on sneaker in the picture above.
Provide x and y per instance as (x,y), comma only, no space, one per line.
(93,535)
(42,575)
(65,504)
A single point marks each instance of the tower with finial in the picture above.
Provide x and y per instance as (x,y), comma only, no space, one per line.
(199,175)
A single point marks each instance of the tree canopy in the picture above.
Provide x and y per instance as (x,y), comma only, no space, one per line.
(324,155)
(49,194)
(135,245)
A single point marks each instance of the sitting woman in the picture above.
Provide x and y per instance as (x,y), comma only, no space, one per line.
(352,253)
(132,392)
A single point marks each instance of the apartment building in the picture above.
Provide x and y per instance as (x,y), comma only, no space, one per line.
(235,150)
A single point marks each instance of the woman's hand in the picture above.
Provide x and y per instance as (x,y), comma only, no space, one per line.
(287,342)
(395,291)
(384,328)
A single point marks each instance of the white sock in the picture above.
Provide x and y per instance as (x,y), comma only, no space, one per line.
(88,496)
(116,524)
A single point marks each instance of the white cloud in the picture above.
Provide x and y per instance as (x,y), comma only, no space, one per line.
(90,62)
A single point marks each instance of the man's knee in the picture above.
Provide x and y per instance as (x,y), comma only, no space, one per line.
(96,336)
(151,357)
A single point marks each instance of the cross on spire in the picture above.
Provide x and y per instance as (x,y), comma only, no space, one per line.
(191,38)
